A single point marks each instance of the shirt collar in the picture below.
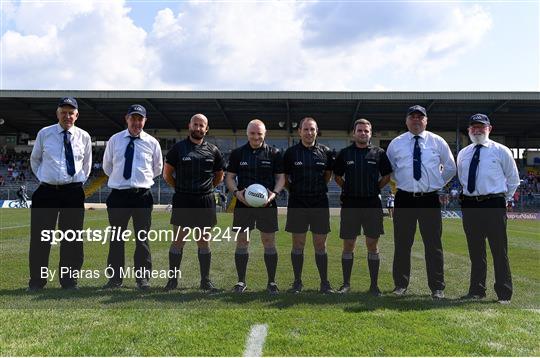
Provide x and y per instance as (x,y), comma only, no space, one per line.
(193,144)
(61,130)
(486,144)
(315,145)
(421,135)
(142,135)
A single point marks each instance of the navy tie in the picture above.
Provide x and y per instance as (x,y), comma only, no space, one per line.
(130,150)
(417,159)
(70,162)
(471,182)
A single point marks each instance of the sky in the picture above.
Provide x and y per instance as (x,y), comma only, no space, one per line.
(270,45)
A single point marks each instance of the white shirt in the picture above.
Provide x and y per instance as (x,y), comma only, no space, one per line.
(497,171)
(147,161)
(438,165)
(48,158)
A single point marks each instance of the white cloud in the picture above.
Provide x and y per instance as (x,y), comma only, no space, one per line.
(244,45)
(98,47)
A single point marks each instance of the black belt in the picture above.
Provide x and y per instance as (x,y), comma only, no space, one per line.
(132,190)
(417,195)
(482,197)
(62,186)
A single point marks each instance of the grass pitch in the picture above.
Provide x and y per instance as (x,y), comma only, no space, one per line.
(188,322)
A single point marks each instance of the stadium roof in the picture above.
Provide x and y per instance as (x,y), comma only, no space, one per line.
(513,114)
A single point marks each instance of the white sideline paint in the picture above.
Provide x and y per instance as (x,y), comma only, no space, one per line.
(255,340)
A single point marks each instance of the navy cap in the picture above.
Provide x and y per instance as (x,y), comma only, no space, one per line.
(479,118)
(417,108)
(68,101)
(137,109)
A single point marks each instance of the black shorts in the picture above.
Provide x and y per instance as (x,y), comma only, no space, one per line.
(194,210)
(358,214)
(305,213)
(265,219)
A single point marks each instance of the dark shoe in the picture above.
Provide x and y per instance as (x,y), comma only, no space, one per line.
(34,288)
(112,284)
(470,296)
(240,287)
(437,295)
(73,287)
(375,292)
(143,284)
(272,288)
(172,284)
(296,287)
(208,286)
(344,289)
(399,291)
(326,288)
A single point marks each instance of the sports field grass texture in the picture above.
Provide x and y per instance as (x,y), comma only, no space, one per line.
(187,322)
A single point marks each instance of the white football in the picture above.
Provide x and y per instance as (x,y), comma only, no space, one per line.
(256,195)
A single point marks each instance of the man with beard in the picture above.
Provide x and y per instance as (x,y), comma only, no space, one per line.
(422,164)
(361,170)
(308,169)
(489,176)
(255,162)
(132,160)
(193,167)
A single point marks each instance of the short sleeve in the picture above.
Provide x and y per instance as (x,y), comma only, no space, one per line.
(287,162)
(172,156)
(339,164)
(385,167)
(278,162)
(219,162)
(234,161)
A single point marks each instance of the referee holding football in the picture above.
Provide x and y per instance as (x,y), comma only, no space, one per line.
(132,160)
(361,170)
(193,167)
(61,160)
(255,162)
(423,164)
(308,169)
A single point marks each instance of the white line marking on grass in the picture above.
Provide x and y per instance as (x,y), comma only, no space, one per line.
(28,225)
(255,340)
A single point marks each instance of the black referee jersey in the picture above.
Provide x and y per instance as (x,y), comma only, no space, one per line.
(195,165)
(256,165)
(361,169)
(305,168)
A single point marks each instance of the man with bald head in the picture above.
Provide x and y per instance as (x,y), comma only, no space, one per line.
(193,167)
(255,162)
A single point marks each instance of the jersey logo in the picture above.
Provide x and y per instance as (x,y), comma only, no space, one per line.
(185,159)
(320,163)
(209,160)
(298,163)
(371,162)
(350,162)
(243,163)
(265,162)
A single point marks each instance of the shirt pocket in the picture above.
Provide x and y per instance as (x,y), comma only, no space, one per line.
(78,151)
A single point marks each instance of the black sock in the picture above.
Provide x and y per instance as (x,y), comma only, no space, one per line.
(297,259)
(347,259)
(321,259)
(205,256)
(373,264)
(270,260)
(175,258)
(241,257)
